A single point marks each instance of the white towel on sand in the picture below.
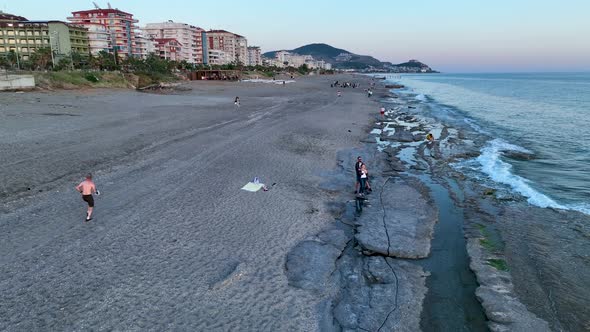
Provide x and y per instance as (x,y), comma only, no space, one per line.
(253,187)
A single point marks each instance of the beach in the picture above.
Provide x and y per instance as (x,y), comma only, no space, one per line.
(176,244)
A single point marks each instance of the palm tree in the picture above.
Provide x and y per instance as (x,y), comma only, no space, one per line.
(41,58)
(12,58)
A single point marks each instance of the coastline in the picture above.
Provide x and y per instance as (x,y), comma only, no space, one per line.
(501,251)
(520,254)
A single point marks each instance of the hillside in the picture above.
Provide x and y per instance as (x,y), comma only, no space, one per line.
(343,59)
(339,58)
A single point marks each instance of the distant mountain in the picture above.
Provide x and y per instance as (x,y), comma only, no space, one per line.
(343,59)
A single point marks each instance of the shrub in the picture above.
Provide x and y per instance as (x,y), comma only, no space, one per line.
(90,77)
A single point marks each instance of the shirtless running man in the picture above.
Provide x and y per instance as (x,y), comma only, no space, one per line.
(87,188)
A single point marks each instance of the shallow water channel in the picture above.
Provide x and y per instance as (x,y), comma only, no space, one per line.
(450,304)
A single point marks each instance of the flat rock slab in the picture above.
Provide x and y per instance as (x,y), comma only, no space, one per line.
(311,263)
(496,294)
(379,294)
(402,227)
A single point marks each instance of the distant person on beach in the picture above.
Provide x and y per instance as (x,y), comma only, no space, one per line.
(369,93)
(339,93)
(237,102)
(87,188)
(430,138)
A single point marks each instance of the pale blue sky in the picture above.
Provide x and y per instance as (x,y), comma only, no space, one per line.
(449,35)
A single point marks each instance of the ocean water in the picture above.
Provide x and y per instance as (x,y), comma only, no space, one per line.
(546,116)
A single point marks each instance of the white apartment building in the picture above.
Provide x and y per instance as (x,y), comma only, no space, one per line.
(285,58)
(234,46)
(218,57)
(144,45)
(291,59)
(191,37)
(254,56)
(99,38)
(241,50)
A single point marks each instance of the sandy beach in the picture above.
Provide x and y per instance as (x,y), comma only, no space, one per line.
(174,242)
(177,245)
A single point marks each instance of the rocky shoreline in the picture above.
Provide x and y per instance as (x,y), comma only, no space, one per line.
(371,261)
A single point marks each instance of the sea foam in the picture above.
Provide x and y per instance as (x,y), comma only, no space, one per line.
(501,172)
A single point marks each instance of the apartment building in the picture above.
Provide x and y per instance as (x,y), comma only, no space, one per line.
(144,46)
(191,38)
(120,25)
(241,50)
(99,38)
(25,37)
(169,49)
(234,46)
(217,57)
(254,56)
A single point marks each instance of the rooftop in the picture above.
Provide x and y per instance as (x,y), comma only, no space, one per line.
(101,11)
(10,18)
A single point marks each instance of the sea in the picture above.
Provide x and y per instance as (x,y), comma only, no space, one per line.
(544,117)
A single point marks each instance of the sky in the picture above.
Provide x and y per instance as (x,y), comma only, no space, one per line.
(448,35)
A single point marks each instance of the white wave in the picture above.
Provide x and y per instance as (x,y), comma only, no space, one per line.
(420,97)
(584,208)
(500,171)
(376,131)
(267,81)
(475,126)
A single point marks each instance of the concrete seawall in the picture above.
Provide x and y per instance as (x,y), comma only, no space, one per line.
(16,82)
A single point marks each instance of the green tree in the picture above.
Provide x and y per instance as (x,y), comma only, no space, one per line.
(107,61)
(78,60)
(41,59)
(4,62)
(63,64)
(303,69)
(12,58)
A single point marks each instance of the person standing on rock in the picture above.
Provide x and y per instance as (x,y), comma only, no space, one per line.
(87,188)
(364,180)
(357,169)
(430,138)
